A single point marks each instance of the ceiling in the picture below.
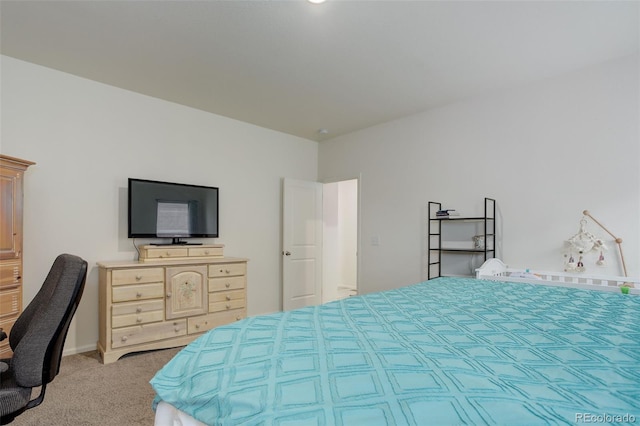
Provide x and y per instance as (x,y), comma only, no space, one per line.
(297,67)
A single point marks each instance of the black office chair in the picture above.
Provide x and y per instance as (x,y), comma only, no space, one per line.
(38,335)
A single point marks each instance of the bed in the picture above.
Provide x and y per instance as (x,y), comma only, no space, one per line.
(446,351)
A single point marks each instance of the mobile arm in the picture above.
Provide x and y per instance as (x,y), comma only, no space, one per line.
(617,240)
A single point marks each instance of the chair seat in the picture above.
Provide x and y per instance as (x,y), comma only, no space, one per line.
(13,398)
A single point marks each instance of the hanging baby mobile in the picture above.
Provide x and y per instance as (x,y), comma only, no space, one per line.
(584,244)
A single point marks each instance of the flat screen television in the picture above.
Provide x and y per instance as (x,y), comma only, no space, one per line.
(172,210)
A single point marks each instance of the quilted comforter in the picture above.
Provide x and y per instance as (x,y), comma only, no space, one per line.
(444,352)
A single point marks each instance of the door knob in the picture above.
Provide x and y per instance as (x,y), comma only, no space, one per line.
(287,253)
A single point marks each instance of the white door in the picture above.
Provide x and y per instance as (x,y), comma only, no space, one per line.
(302,244)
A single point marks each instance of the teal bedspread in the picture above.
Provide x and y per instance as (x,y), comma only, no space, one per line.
(444,352)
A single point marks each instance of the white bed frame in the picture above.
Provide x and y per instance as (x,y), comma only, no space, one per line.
(168,415)
(496,270)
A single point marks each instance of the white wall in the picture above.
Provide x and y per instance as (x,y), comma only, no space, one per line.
(87,138)
(546,152)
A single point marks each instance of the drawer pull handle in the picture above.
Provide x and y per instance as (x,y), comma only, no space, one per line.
(138,294)
(228,306)
(227,271)
(177,329)
(228,297)
(138,309)
(227,285)
(124,338)
(238,318)
(138,319)
(138,277)
(206,252)
(197,325)
(168,295)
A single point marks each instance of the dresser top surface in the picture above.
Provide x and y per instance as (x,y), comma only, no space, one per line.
(117,264)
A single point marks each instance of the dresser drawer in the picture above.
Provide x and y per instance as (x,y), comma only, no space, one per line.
(10,301)
(166,252)
(207,322)
(230,283)
(138,292)
(206,251)
(226,306)
(128,336)
(133,313)
(225,296)
(133,319)
(227,269)
(136,276)
(10,275)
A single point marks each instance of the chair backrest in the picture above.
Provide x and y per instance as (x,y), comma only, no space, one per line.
(38,335)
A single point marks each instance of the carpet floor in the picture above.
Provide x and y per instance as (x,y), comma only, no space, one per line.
(86,392)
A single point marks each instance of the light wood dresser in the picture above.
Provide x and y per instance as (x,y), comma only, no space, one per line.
(11,195)
(168,298)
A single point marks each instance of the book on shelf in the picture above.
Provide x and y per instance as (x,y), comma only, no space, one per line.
(446,213)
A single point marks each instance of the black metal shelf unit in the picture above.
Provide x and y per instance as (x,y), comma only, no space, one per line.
(435,231)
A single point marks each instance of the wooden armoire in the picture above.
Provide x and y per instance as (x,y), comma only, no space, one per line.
(11,196)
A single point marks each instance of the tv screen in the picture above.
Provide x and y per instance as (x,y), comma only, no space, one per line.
(172,210)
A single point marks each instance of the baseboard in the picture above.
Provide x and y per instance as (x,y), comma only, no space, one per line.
(79,350)
(347,287)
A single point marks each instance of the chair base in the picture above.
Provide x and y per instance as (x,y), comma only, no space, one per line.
(5,420)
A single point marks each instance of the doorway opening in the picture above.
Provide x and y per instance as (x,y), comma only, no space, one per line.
(340,240)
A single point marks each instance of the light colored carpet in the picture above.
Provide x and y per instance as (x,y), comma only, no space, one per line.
(86,392)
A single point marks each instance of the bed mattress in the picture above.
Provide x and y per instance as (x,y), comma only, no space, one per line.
(446,351)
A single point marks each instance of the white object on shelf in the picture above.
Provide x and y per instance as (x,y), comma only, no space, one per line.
(496,270)
(457,245)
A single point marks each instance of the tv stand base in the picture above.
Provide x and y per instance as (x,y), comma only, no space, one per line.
(179,243)
(155,253)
